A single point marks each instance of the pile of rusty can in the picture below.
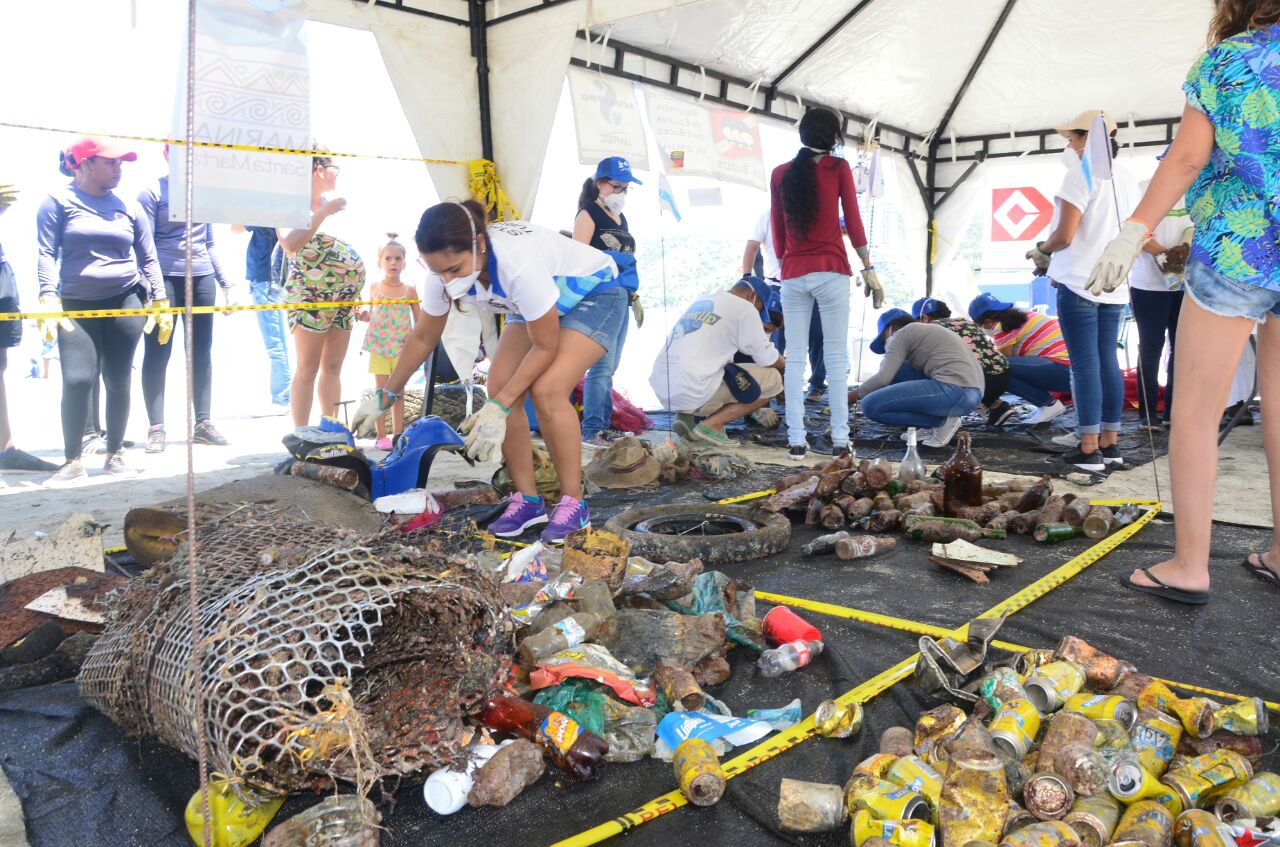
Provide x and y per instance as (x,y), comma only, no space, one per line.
(1063,748)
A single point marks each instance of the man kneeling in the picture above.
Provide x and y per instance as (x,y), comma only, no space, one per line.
(695,374)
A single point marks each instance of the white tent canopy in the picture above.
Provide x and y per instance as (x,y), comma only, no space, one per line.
(946,84)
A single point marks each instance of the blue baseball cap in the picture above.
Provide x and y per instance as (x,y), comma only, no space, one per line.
(764,292)
(887,317)
(984,303)
(617,169)
(925,306)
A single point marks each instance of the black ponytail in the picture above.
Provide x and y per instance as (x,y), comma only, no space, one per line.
(590,193)
(819,131)
(1011,319)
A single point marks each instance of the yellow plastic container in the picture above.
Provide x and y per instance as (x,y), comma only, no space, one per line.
(234,824)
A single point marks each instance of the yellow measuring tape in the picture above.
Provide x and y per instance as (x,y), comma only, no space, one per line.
(197,310)
(878,684)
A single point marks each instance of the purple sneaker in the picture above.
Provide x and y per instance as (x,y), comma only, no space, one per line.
(521,514)
(569,516)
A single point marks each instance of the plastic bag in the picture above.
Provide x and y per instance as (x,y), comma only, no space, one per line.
(591,661)
(577,700)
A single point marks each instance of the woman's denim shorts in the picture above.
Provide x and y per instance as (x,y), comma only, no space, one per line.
(598,316)
(1214,293)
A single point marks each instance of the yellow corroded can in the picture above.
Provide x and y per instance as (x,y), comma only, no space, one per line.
(1131,782)
(1260,797)
(1248,717)
(1103,707)
(837,720)
(1155,737)
(1196,713)
(934,728)
(1144,824)
(1207,777)
(1050,686)
(897,803)
(1014,727)
(1043,834)
(1198,828)
(913,773)
(975,799)
(861,784)
(907,833)
(1026,663)
(877,764)
(698,772)
(1094,818)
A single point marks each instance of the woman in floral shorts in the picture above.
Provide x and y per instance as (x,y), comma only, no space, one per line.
(322,269)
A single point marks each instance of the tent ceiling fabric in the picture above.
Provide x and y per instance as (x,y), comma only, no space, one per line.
(902,61)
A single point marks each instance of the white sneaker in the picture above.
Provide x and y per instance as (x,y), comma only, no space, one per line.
(1067,439)
(940,436)
(1045,413)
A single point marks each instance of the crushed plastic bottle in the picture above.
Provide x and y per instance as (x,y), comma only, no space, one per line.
(788,657)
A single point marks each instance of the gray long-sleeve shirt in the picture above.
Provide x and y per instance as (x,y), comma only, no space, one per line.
(93,248)
(938,352)
(170,237)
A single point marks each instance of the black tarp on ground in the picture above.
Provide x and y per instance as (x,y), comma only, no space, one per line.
(82,782)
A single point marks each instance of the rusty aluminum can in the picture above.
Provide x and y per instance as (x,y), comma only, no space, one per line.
(1050,686)
(1047,796)
(1259,797)
(1103,707)
(907,833)
(877,764)
(974,800)
(1015,727)
(1026,662)
(1094,818)
(1043,834)
(1144,824)
(1084,769)
(1017,818)
(861,784)
(1131,782)
(1249,746)
(1016,775)
(698,772)
(1198,828)
(1248,717)
(934,728)
(1101,670)
(911,772)
(1155,737)
(896,804)
(810,806)
(897,741)
(1196,713)
(1206,777)
(1064,730)
(1000,685)
(837,720)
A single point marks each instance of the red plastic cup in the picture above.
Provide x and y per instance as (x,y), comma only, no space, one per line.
(782,625)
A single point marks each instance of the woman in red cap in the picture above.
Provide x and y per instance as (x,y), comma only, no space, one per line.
(96,252)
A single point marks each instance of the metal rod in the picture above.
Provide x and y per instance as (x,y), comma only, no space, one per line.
(973,72)
(480,50)
(817,45)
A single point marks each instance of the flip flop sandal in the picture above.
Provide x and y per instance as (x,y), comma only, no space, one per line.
(1261,570)
(1168,592)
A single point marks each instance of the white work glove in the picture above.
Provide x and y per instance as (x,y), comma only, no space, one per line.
(48,327)
(376,405)
(1039,258)
(766,417)
(161,322)
(637,309)
(230,298)
(874,291)
(485,431)
(1113,267)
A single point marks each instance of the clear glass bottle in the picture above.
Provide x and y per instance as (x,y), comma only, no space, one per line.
(912,466)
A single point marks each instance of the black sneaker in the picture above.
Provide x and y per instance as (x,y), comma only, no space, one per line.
(1093,462)
(1111,456)
(115,466)
(841,450)
(999,413)
(68,474)
(798,452)
(204,433)
(14,459)
(93,445)
(155,439)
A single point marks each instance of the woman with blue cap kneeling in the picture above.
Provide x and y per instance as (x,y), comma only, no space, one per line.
(928,378)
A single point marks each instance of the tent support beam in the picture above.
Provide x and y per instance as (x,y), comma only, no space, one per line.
(480,51)
(973,166)
(399,6)
(817,45)
(545,4)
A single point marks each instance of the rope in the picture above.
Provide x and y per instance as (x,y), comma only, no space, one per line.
(193,310)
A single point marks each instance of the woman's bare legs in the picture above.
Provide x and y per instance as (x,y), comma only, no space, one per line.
(310,348)
(329,386)
(1269,387)
(517,447)
(557,418)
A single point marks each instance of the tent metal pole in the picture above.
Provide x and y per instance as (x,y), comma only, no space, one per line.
(817,45)
(480,51)
(399,6)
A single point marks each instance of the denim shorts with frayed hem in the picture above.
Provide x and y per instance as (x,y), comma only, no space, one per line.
(598,316)
(1227,298)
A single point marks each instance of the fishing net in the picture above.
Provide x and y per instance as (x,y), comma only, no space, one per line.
(327,654)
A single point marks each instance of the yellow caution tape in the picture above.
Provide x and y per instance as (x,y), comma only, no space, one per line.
(742,498)
(878,684)
(487,188)
(243,148)
(196,310)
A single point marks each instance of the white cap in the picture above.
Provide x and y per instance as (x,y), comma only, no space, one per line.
(446,790)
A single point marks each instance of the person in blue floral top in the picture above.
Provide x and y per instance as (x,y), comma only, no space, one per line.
(1226,158)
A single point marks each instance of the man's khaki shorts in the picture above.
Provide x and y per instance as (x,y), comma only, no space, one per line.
(769,379)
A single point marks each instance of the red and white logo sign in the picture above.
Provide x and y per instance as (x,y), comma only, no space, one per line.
(1018,214)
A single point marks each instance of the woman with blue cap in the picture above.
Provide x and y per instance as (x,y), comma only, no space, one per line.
(601,224)
(928,378)
(1032,342)
(995,367)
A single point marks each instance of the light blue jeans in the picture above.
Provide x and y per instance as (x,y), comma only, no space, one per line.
(597,392)
(274,337)
(914,399)
(830,291)
(1092,333)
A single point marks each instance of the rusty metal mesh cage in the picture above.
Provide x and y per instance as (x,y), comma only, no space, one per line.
(327,654)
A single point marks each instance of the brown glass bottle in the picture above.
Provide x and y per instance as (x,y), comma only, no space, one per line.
(961,479)
(574,750)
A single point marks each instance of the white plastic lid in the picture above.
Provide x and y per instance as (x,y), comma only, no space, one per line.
(446,791)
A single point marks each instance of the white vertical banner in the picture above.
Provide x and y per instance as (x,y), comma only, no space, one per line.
(706,141)
(606,119)
(253,88)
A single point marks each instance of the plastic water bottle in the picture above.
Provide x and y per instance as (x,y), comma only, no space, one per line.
(788,657)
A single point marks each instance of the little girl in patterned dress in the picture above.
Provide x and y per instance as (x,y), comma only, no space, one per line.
(389,326)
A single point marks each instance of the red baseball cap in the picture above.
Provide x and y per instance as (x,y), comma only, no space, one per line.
(89,146)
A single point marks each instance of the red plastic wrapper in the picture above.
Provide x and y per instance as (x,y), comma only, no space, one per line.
(593,662)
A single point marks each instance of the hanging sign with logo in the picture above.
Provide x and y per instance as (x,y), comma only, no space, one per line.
(607,119)
(706,141)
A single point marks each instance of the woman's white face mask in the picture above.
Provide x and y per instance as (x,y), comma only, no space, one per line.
(614,202)
(457,286)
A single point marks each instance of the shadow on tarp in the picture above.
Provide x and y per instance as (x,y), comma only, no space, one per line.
(82,781)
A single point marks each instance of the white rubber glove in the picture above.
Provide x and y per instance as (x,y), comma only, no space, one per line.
(230,297)
(766,417)
(48,327)
(161,322)
(637,309)
(485,431)
(376,405)
(874,291)
(1113,266)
